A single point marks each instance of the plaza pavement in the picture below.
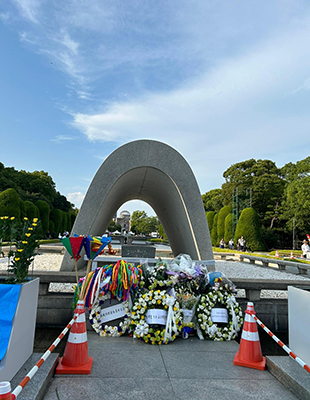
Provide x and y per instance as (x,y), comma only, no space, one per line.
(125,368)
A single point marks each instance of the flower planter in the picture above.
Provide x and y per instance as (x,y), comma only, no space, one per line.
(20,346)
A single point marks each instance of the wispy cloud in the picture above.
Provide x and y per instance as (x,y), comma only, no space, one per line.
(4,16)
(62,138)
(29,9)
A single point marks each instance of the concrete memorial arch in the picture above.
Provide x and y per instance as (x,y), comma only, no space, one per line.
(156,173)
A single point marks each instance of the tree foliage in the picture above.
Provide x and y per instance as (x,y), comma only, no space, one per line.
(33,186)
(142,223)
(212,200)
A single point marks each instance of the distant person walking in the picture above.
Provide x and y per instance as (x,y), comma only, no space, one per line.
(305,249)
(231,244)
(222,244)
(241,244)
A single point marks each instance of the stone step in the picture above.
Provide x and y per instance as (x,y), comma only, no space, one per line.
(37,386)
(290,374)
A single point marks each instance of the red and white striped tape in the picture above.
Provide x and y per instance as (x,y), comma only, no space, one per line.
(33,371)
(280,343)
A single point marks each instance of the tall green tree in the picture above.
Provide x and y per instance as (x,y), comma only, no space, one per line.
(212,200)
(265,180)
(142,223)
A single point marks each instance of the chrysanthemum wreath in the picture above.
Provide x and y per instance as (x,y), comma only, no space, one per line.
(102,328)
(156,317)
(209,329)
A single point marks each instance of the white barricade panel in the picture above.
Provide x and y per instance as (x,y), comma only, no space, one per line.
(299,322)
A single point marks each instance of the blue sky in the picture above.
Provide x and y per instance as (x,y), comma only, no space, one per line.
(220,81)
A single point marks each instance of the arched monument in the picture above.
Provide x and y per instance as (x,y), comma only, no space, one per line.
(156,173)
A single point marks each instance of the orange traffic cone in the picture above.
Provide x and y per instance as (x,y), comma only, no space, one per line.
(250,352)
(75,359)
(5,391)
(292,256)
(277,254)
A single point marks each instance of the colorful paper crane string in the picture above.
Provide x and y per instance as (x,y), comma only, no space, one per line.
(120,279)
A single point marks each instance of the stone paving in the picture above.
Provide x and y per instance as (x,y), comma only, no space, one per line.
(124,368)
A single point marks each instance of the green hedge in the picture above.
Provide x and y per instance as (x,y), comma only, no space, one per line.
(214,240)
(44,210)
(56,217)
(31,210)
(210,216)
(224,211)
(228,229)
(248,226)
(10,204)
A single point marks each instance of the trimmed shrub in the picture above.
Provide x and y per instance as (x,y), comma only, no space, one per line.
(73,217)
(248,226)
(228,228)
(224,211)
(51,228)
(62,221)
(68,222)
(44,211)
(55,217)
(161,232)
(210,217)
(22,208)
(10,204)
(214,240)
(31,210)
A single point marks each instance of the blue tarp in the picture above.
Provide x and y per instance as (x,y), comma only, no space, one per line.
(9,295)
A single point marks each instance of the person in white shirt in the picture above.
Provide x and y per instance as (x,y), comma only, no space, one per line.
(305,249)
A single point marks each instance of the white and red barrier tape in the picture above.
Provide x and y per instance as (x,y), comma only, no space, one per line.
(280,343)
(32,372)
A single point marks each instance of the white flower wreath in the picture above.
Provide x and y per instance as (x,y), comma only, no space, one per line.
(103,329)
(210,329)
(156,299)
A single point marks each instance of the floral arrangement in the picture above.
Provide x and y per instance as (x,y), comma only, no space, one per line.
(25,240)
(157,277)
(108,330)
(222,296)
(156,333)
(188,303)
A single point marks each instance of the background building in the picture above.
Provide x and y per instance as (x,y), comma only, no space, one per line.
(124,220)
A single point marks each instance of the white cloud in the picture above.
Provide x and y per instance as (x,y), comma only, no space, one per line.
(227,113)
(76,198)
